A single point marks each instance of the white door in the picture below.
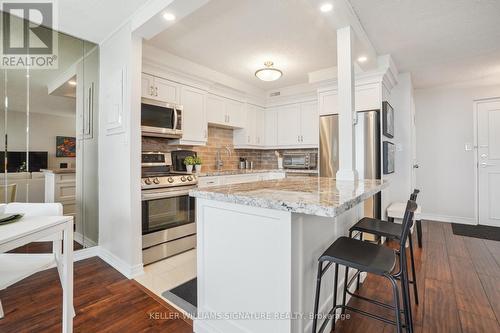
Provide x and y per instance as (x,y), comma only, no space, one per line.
(259,126)
(309,123)
(488,140)
(288,125)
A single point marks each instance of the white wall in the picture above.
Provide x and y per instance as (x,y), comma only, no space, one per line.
(444,123)
(43,129)
(120,152)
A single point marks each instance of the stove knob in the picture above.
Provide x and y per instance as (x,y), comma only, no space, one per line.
(170,180)
(190,178)
(156,181)
(147,181)
(183,178)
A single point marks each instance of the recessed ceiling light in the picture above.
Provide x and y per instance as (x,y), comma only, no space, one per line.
(268,73)
(72,83)
(326,7)
(169,16)
(362,59)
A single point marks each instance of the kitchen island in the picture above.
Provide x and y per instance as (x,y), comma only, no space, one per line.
(258,245)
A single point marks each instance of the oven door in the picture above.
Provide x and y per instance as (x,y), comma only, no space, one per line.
(159,119)
(164,209)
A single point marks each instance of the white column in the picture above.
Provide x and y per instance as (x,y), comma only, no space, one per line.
(345,67)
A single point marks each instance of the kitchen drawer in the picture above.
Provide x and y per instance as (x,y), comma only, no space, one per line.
(238,179)
(209,181)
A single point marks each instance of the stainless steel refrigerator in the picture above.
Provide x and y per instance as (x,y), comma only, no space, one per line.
(368,157)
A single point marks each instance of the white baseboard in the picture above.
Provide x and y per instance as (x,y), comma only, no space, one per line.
(121,266)
(83,241)
(449,219)
(86,253)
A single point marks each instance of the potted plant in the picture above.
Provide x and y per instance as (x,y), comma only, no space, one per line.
(197,164)
(189,162)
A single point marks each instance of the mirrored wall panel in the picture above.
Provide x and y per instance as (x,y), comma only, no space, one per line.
(48,126)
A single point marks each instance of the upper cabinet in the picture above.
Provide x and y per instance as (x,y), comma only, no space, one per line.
(366,97)
(225,112)
(160,89)
(194,121)
(252,134)
(288,125)
(309,124)
(298,125)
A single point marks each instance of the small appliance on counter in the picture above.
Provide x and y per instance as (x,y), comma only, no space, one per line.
(168,212)
(306,161)
(178,157)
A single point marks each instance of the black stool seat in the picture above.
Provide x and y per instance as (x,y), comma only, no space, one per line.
(378,227)
(364,256)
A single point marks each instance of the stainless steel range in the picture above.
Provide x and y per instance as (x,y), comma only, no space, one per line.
(168,213)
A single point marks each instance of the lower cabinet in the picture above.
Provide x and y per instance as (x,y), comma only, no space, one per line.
(238,179)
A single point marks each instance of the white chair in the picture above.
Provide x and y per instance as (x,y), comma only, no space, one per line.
(29,264)
(11,193)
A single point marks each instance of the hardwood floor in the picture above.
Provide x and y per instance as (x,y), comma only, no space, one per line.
(458,279)
(459,286)
(105,301)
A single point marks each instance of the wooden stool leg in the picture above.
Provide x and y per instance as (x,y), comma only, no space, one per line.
(419,232)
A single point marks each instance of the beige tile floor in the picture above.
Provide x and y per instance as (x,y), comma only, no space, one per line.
(169,273)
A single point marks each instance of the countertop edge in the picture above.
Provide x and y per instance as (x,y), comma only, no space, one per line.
(295,207)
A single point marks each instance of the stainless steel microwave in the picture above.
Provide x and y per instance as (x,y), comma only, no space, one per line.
(161,119)
(300,160)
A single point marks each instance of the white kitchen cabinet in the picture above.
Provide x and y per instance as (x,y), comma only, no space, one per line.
(209,181)
(225,112)
(235,113)
(288,120)
(159,89)
(194,122)
(270,128)
(216,110)
(365,98)
(309,123)
(252,134)
(238,179)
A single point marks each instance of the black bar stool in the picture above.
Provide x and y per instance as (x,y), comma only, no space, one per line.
(371,258)
(391,231)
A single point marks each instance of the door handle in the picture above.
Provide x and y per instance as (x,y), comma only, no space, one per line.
(484,165)
(416,166)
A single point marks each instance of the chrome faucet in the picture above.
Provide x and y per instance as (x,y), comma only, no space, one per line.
(218,157)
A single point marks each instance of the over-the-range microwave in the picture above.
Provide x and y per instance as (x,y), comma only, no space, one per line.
(161,119)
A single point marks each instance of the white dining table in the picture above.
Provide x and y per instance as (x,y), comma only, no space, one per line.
(31,229)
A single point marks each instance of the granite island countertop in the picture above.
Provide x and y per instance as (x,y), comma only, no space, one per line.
(305,195)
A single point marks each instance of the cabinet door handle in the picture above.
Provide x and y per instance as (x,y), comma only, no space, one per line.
(156,90)
(151,91)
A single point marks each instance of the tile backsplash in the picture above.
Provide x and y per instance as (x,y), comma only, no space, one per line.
(221,137)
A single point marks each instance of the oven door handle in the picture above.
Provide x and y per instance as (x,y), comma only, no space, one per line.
(164,195)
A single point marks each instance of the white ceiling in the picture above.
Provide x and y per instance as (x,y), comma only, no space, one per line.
(438,41)
(237,37)
(94,20)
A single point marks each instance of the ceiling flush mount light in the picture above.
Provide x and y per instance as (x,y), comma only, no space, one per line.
(169,17)
(72,83)
(268,73)
(326,7)
(362,59)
